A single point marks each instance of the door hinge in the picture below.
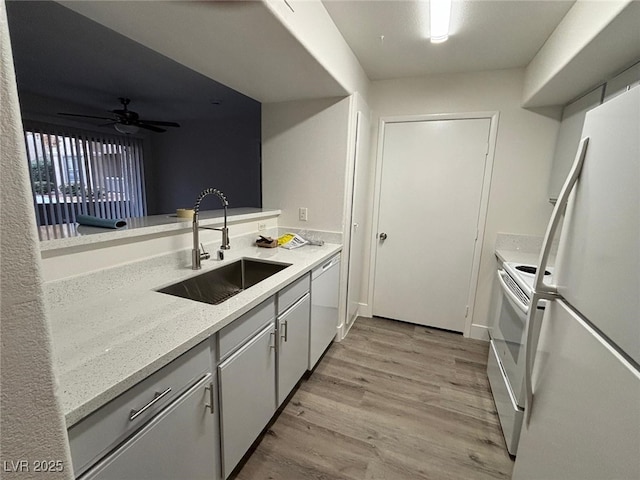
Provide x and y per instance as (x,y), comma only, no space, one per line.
(466,312)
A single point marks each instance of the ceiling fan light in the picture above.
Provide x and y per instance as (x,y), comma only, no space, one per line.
(440,17)
(126,129)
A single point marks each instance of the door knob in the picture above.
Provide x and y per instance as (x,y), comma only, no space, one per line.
(383,236)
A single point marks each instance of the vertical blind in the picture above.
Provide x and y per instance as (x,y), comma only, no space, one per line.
(81,172)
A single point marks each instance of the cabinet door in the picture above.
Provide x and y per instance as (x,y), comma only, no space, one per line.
(569,137)
(179,443)
(247,382)
(293,346)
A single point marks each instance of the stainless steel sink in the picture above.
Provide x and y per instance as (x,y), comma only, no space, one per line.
(218,285)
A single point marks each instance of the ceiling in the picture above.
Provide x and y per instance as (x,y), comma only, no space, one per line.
(89,69)
(484,34)
(89,53)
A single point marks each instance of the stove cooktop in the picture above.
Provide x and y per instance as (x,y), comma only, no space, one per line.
(525,274)
(530,269)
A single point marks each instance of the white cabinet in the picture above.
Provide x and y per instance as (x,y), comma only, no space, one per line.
(177,443)
(573,119)
(293,346)
(106,440)
(620,83)
(184,421)
(569,138)
(262,368)
(247,382)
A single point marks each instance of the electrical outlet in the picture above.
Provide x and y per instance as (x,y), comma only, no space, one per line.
(302,214)
(262,227)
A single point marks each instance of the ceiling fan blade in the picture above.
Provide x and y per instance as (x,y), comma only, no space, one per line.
(150,127)
(160,123)
(84,116)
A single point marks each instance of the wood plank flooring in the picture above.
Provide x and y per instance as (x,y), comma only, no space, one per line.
(392,401)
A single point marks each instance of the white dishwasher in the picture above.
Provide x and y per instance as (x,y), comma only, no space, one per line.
(325,283)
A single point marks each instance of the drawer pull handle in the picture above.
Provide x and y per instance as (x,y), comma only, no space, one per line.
(209,405)
(272,335)
(284,324)
(158,396)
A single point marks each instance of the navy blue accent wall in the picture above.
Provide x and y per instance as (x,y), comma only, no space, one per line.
(218,143)
(222,153)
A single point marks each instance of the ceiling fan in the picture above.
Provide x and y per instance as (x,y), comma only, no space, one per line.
(127,121)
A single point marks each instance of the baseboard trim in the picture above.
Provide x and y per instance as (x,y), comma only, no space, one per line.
(479,332)
(365,310)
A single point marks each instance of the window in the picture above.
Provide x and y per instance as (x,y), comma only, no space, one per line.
(80,172)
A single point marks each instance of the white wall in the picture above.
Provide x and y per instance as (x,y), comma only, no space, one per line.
(313,27)
(524,151)
(32,424)
(304,157)
(307,161)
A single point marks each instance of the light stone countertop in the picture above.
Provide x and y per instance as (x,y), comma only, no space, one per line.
(518,256)
(66,236)
(520,248)
(112,329)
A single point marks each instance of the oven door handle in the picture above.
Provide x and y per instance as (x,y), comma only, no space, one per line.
(510,295)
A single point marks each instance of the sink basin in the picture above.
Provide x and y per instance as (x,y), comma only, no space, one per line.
(216,286)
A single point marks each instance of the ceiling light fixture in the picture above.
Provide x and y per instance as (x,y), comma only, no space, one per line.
(440,16)
(127,129)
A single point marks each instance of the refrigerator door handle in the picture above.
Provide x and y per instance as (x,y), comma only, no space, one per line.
(530,350)
(556,215)
(528,358)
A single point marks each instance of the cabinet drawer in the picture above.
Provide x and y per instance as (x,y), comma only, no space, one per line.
(177,443)
(509,413)
(234,334)
(101,431)
(291,293)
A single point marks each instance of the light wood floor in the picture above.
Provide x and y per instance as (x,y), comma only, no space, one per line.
(392,401)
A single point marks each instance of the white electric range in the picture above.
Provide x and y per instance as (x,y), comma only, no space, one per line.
(506,363)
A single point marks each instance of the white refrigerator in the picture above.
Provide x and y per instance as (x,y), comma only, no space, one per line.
(583,381)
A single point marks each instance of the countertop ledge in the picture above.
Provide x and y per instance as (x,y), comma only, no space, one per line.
(106,343)
(527,258)
(517,256)
(57,237)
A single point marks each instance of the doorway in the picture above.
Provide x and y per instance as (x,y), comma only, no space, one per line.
(432,187)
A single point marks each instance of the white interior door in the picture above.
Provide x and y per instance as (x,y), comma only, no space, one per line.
(430,195)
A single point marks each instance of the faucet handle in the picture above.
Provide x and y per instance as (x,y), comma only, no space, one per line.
(204,253)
